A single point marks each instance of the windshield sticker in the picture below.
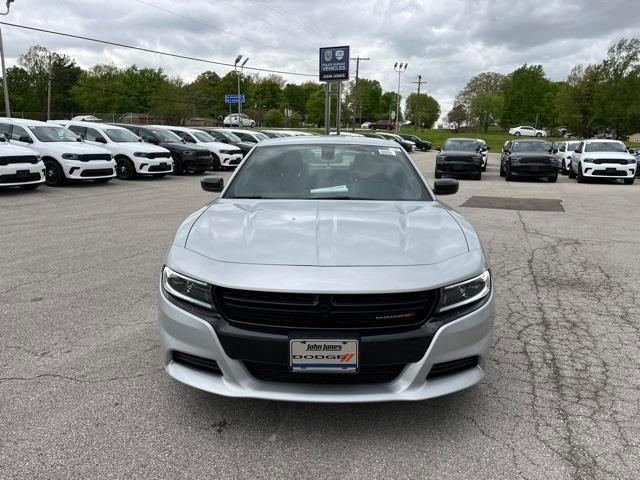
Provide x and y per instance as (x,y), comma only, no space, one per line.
(386,151)
(336,189)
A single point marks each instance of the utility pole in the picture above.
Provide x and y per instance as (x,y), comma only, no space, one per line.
(239,72)
(49,96)
(419,82)
(5,84)
(359,103)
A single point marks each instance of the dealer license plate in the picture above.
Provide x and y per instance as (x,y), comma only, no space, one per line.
(319,355)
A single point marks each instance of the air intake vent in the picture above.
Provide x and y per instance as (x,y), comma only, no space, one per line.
(199,363)
(455,366)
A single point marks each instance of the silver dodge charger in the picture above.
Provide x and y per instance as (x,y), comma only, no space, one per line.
(326,271)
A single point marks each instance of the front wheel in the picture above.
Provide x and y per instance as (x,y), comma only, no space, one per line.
(125,169)
(564,170)
(216,162)
(517,134)
(581,177)
(178,166)
(553,178)
(31,186)
(477,176)
(572,174)
(508,174)
(629,181)
(538,134)
(54,175)
(484,168)
(438,175)
(502,172)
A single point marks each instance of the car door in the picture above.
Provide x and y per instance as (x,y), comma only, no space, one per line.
(576,156)
(94,137)
(80,131)
(20,136)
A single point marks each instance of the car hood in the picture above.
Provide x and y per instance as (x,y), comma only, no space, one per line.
(327,233)
(612,155)
(132,147)
(6,149)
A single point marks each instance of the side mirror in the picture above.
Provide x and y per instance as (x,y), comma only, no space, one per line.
(25,139)
(439,149)
(445,186)
(151,140)
(487,148)
(555,150)
(100,140)
(212,184)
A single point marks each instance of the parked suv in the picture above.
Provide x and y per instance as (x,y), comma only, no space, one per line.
(460,156)
(564,152)
(223,155)
(529,158)
(422,145)
(230,138)
(132,156)
(19,166)
(603,159)
(247,135)
(408,145)
(238,120)
(185,157)
(383,125)
(65,155)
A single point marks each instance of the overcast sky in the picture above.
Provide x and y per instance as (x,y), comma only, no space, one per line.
(447,42)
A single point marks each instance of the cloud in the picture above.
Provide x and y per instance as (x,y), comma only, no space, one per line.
(445,42)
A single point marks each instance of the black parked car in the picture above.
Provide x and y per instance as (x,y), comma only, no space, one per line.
(460,156)
(406,144)
(229,137)
(185,157)
(529,158)
(423,145)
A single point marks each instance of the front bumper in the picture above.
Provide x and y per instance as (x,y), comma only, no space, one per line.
(201,162)
(464,337)
(230,160)
(150,166)
(608,170)
(533,169)
(78,170)
(459,167)
(29,174)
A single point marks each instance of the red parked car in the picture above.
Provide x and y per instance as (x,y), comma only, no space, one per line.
(384,125)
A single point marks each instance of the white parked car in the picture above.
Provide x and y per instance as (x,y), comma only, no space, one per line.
(247,135)
(366,125)
(20,167)
(484,152)
(239,120)
(564,154)
(600,158)
(65,155)
(132,156)
(527,132)
(224,155)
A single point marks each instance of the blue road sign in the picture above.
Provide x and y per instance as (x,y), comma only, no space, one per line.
(334,64)
(233,98)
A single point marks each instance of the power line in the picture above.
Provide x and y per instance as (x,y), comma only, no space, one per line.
(200,22)
(157,52)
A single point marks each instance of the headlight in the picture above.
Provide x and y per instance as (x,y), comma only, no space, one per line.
(587,160)
(71,156)
(466,292)
(141,154)
(187,289)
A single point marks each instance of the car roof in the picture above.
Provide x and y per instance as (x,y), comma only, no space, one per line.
(329,140)
(530,140)
(80,123)
(602,140)
(462,138)
(24,121)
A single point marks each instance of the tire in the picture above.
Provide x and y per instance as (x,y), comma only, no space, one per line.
(564,169)
(31,186)
(216,162)
(581,178)
(437,175)
(572,175)
(178,166)
(502,172)
(553,178)
(517,134)
(54,175)
(102,180)
(199,171)
(629,181)
(477,176)
(159,175)
(538,134)
(125,169)
(484,168)
(508,175)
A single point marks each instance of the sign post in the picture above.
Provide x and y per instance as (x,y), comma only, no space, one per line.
(334,67)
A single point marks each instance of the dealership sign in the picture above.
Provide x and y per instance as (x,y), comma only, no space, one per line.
(334,64)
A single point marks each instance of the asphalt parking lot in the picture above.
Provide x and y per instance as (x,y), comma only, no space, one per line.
(83,394)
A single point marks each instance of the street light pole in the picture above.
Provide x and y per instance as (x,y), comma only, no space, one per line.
(402,67)
(5,84)
(239,72)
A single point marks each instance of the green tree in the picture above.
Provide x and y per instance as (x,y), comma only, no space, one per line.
(457,116)
(273,118)
(422,109)
(486,108)
(526,97)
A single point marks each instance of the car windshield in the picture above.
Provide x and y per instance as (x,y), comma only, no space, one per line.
(460,145)
(121,135)
(229,136)
(534,147)
(260,136)
(572,146)
(54,134)
(328,171)
(165,136)
(203,137)
(605,147)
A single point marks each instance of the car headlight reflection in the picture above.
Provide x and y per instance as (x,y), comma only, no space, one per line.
(187,289)
(463,293)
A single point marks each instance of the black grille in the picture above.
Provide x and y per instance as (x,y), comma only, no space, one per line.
(96,172)
(609,173)
(455,366)
(459,158)
(340,311)
(158,155)
(18,159)
(281,373)
(92,157)
(12,178)
(538,160)
(199,363)
(615,161)
(163,167)
(235,161)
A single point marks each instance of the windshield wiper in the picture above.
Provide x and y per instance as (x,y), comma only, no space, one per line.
(343,197)
(248,196)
